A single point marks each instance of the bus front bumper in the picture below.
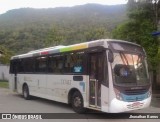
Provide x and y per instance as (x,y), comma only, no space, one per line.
(117,106)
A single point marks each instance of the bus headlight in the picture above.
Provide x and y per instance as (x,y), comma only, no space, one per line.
(118,94)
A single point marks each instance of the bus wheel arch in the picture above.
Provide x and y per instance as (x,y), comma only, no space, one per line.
(25,91)
(75,98)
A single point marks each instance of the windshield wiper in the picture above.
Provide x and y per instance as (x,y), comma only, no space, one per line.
(139,59)
(123,57)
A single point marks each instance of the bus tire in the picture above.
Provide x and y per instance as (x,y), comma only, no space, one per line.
(26,92)
(77,103)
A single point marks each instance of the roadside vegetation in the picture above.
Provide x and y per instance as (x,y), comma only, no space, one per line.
(4,84)
(143,20)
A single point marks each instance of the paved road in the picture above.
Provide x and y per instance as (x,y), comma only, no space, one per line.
(11,102)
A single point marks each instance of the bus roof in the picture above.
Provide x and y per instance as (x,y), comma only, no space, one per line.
(61,48)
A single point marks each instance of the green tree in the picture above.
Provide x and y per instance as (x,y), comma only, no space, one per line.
(5,58)
(96,33)
(53,38)
(141,23)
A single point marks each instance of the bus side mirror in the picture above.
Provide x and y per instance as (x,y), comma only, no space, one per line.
(110,56)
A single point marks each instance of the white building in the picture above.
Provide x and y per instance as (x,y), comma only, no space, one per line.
(4,72)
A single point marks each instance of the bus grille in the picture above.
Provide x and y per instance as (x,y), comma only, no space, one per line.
(135,91)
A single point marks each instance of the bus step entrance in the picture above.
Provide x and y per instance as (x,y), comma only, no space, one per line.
(94,97)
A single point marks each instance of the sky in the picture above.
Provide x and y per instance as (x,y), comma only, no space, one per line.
(6,5)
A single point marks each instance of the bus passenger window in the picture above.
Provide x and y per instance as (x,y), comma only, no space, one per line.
(41,64)
(74,63)
(28,64)
(50,64)
(56,64)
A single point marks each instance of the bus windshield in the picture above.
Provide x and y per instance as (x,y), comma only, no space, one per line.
(130,69)
(129,65)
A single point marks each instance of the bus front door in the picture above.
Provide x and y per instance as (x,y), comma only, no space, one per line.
(96,76)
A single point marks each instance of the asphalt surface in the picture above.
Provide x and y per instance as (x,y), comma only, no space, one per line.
(11,102)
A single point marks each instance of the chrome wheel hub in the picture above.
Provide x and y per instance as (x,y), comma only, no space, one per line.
(77,102)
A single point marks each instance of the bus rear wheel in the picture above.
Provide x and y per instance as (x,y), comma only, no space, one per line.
(77,102)
(26,92)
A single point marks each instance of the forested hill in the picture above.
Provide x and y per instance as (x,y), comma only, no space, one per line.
(27,29)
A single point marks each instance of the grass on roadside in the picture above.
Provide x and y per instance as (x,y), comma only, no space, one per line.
(4,84)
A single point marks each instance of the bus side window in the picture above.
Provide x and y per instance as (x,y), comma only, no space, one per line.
(68,64)
(73,63)
(16,66)
(41,64)
(12,66)
(27,65)
(51,64)
(56,64)
(21,66)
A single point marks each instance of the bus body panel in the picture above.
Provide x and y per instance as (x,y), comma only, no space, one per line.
(53,87)
(36,83)
(12,82)
(104,98)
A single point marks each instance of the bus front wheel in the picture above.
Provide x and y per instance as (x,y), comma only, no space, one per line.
(77,102)
(26,92)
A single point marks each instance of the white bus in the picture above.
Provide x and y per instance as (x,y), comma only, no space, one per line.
(106,75)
